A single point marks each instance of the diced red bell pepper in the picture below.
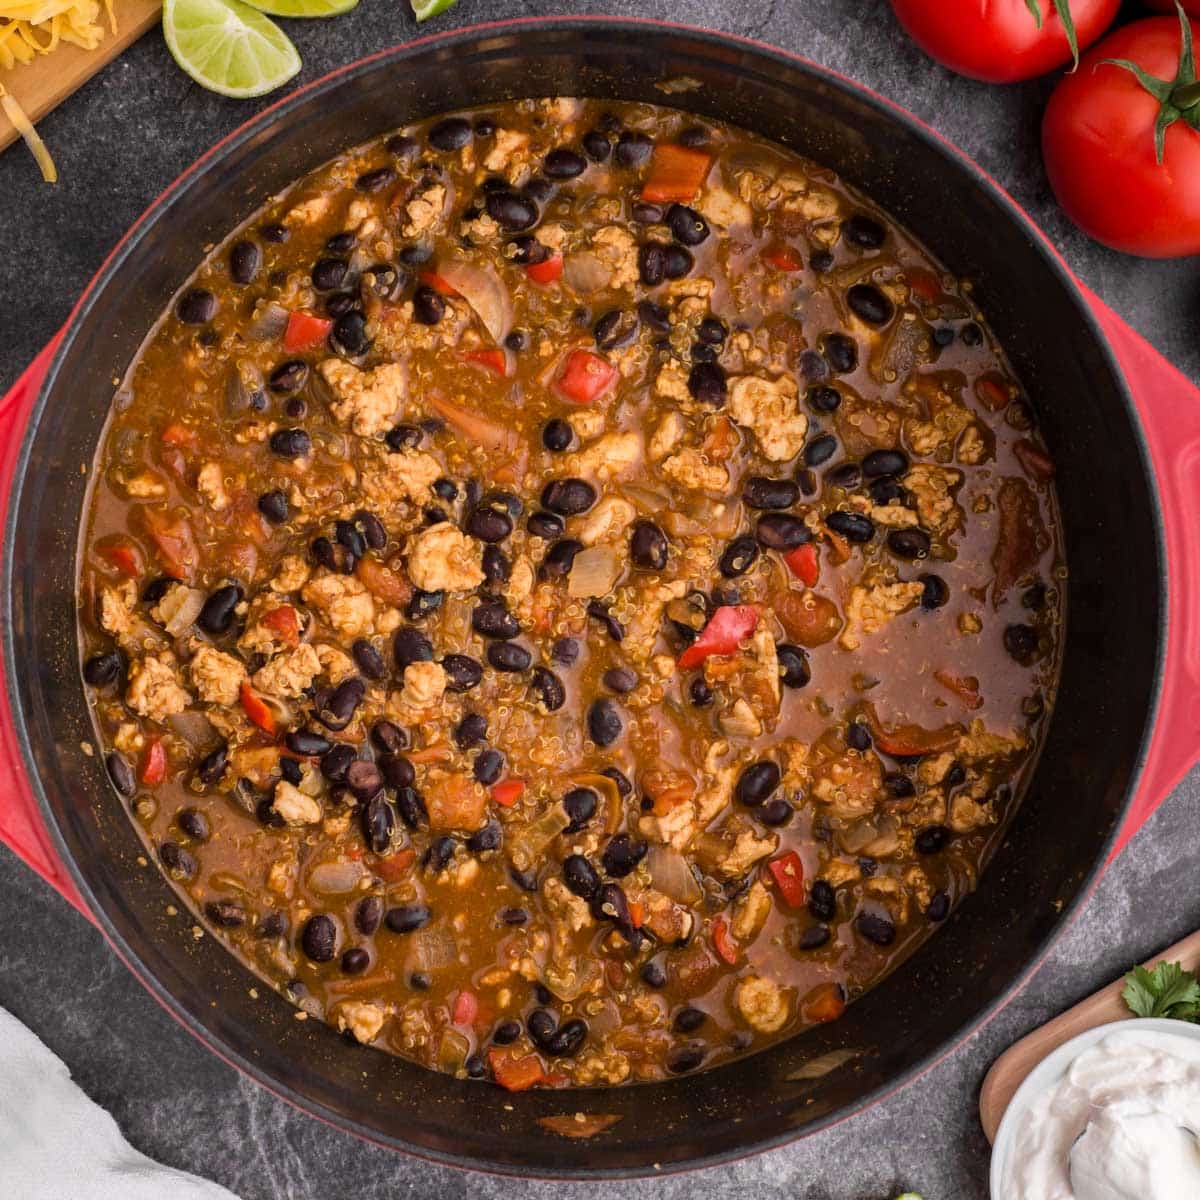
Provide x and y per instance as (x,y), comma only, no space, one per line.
(175,543)
(965,687)
(495,361)
(637,914)
(126,557)
(585,377)
(923,284)
(257,709)
(516,1074)
(466,1008)
(546,271)
(826,1002)
(910,741)
(438,282)
(305,332)
(176,434)
(284,622)
(508,791)
(783,258)
(723,943)
(394,867)
(788,872)
(727,628)
(804,564)
(154,766)
(676,174)
(993,391)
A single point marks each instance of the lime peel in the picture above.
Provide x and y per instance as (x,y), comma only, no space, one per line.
(424,9)
(303,9)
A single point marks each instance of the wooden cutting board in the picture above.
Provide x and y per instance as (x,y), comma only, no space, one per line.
(1009,1070)
(51,78)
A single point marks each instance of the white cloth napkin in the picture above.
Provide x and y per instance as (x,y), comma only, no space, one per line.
(55,1144)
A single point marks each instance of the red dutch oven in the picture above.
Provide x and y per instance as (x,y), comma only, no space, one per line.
(1124,430)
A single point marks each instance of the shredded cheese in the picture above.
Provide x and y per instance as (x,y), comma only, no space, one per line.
(24,126)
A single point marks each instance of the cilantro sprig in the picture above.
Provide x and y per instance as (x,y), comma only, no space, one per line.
(1167,991)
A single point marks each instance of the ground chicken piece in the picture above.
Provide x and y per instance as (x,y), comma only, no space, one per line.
(443,559)
(116,607)
(869,609)
(146,486)
(667,436)
(363,1019)
(295,806)
(972,447)
(345,603)
(564,906)
(617,249)
(723,209)
(606,521)
(481,229)
(670,923)
(175,600)
(933,488)
(979,743)
(587,424)
(893,516)
(506,151)
(747,849)
(611,1068)
(969,624)
(800,196)
(613,456)
(643,627)
(750,913)
(967,814)
(424,684)
(762,1002)
(308,211)
(671,383)
(292,575)
(216,676)
(850,784)
(336,665)
(690,469)
(281,876)
(210,483)
(258,764)
(424,211)
(932,770)
(154,689)
(839,871)
(288,675)
(919,885)
(367,401)
(395,477)
(769,408)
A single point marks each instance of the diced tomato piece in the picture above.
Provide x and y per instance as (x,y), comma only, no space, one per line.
(466,1008)
(723,942)
(637,914)
(394,867)
(383,583)
(175,543)
(826,1002)
(729,625)
(910,741)
(783,258)
(923,284)
(495,361)
(125,556)
(546,271)
(804,564)
(585,377)
(965,687)
(993,390)
(176,434)
(305,332)
(676,174)
(438,283)
(283,621)
(257,709)
(508,791)
(154,766)
(788,872)
(516,1074)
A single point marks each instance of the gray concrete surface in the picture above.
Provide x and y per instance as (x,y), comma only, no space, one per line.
(118,142)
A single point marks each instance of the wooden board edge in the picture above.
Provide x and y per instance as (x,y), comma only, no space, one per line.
(1009,1071)
(42,85)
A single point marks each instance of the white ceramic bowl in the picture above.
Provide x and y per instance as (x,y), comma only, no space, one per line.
(1051,1069)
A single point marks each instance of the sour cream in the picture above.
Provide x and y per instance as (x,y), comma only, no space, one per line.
(1121,1123)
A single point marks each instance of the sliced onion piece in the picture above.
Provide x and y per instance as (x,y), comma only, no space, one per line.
(483,290)
(671,875)
(585,272)
(594,572)
(336,878)
(472,425)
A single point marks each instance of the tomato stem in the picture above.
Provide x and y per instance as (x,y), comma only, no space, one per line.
(1187,96)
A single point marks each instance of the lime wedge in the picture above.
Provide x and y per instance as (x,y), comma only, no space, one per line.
(424,9)
(303,8)
(228,47)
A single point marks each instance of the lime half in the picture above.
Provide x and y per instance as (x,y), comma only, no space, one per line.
(303,8)
(424,9)
(228,47)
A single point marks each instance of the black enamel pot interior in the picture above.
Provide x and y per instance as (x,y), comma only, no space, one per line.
(1039,875)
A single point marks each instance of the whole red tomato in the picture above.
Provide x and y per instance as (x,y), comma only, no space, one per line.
(1002,41)
(1168,6)
(1129,184)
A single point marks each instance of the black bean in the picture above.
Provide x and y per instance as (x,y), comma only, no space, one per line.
(406,918)
(738,557)
(348,536)
(1021,642)
(350,333)
(685,1059)
(289,769)
(545,525)
(333,555)
(886,489)
(336,762)
(653,975)
(611,904)
(342,702)
(568,497)
(194,823)
(688,1019)
(420,981)
(869,304)
(864,231)
(410,804)
(273,506)
(506,1033)
(617,327)
(884,462)
(355,960)
(370,661)
(620,680)
(341,303)
(822,900)
(759,491)
(548,688)
(580,876)
(858,736)
(677,262)
(563,163)
(899,786)
(813,366)
(775,812)
(508,656)
(217,614)
(756,782)
(376,180)
(908,543)
(654,316)
(938,908)
(648,546)
(876,927)
(225,914)
(560,557)
(307,744)
(450,133)
(687,226)
(265,812)
(291,443)
(604,722)
(539,189)
(814,937)
(700,694)
(496,565)
(400,437)
(781,531)
(633,148)
(244,261)
(196,307)
(854,527)
(386,736)
(936,593)
(492,619)
(470,731)
(488,765)
(706,383)
(557,435)
(1034,597)
(596,145)
(652,263)
(512,212)
(565,652)
(622,855)
(428,307)
(541,1026)
(820,449)
(568,1039)
(409,646)
(440,854)
(823,398)
(794,669)
(398,772)
(580,805)
(490,837)
(462,672)
(712,331)
(367,915)
(364,778)
(342,243)
(422,604)
(102,669)
(646,214)
(599,612)
(841,352)
(121,773)
(328,274)
(319,938)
